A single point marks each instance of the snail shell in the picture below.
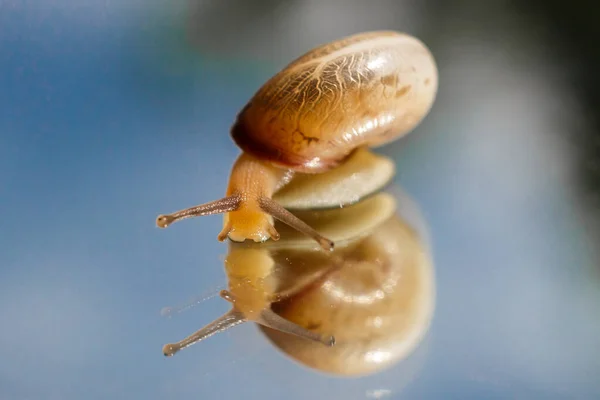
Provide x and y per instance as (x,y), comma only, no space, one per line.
(366,89)
(311,118)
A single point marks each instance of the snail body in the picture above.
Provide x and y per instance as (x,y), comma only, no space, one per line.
(355,93)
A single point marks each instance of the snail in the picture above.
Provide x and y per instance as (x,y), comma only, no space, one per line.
(309,120)
(372,296)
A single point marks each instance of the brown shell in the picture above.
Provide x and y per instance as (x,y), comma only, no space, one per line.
(364,90)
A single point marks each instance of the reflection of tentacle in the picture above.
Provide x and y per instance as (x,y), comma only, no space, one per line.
(271,320)
(307,281)
(229,320)
(170,311)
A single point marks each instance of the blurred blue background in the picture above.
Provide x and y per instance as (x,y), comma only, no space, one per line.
(114,112)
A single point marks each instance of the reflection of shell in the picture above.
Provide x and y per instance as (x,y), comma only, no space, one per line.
(378,304)
(374,293)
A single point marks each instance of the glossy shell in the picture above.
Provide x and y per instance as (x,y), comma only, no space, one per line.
(364,90)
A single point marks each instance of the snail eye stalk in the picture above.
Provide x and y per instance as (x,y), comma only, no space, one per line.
(277,211)
(226,204)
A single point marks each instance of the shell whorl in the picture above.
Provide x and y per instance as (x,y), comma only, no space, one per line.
(363,90)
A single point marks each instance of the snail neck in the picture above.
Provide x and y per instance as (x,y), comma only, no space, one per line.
(248,207)
(253,183)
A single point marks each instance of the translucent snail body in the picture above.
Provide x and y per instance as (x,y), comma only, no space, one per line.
(362,91)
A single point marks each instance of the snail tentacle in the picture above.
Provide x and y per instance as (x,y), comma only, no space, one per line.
(277,211)
(226,204)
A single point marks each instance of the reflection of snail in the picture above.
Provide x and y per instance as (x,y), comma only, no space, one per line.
(361,91)
(374,293)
